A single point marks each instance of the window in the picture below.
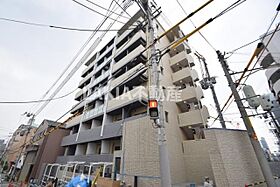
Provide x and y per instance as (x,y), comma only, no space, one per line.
(164,92)
(166,116)
(117,147)
(161,70)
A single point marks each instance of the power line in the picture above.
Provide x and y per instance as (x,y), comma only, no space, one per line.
(58,27)
(207,41)
(36,101)
(96,42)
(249,43)
(260,55)
(97,12)
(122,8)
(184,38)
(109,11)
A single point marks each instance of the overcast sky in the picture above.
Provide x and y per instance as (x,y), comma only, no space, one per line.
(31,58)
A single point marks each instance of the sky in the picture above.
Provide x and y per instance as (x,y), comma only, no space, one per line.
(32,58)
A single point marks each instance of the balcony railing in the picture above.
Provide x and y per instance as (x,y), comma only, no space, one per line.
(105,53)
(276,87)
(191,94)
(98,93)
(193,117)
(133,71)
(111,130)
(85,79)
(139,34)
(79,93)
(85,158)
(74,121)
(98,68)
(181,60)
(100,78)
(186,75)
(93,112)
(78,106)
(129,57)
(137,94)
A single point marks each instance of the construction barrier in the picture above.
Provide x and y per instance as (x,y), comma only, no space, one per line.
(259,183)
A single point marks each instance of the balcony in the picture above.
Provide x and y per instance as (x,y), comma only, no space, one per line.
(129,57)
(101,66)
(78,106)
(133,72)
(138,35)
(93,113)
(88,68)
(267,60)
(180,48)
(126,29)
(181,60)
(193,117)
(85,79)
(98,93)
(186,75)
(105,53)
(79,94)
(85,158)
(137,94)
(31,147)
(74,121)
(273,74)
(191,94)
(276,87)
(112,130)
(100,78)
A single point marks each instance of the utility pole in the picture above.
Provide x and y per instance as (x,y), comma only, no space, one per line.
(251,132)
(208,81)
(154,95)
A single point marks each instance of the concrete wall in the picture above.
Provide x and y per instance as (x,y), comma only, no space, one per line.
(197,160)
(226,156)
(140,151)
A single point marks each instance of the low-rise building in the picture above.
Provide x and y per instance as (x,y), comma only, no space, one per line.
(17,146)
(45,151)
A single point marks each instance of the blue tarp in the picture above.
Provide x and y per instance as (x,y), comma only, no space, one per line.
(78,181)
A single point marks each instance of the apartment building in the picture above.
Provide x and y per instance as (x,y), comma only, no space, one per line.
(111,122)
(113,125)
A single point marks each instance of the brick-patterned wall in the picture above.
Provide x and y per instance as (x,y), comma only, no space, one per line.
(197,161)
(140,150)
(226,156)
(233,152)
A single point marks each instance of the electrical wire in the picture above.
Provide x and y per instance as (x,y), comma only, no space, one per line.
(249,43)
(222,13)
(206,40)
(81,4)
(37,101)
(230,100)
(57,27)
(226,10)
(122,8)
(80,62)
(109,11)
(259,56)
